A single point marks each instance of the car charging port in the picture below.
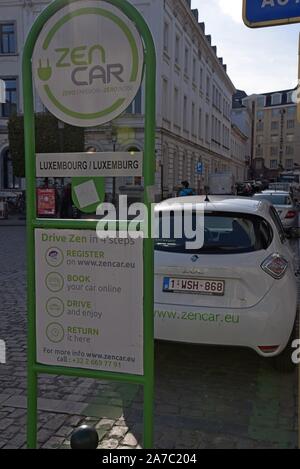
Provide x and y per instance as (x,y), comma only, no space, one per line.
(275,265)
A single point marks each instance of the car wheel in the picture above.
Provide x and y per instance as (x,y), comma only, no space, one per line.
(283,362)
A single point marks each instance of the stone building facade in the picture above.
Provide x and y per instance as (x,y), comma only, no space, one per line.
(194,96)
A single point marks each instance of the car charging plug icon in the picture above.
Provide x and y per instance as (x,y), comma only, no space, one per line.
(44,72)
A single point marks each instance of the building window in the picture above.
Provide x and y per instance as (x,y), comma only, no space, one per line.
(177,49)
(291,111)
(136,106)
(165,99)
(207,136)
(290,96)
(261,101)
(208,87)
(259,151)
(274,151)
(276,99)
(274,138)
(213,127)
(289,150)
(289,137)
(176,106)
(193,123)
(260,115)
(259,126)
(7,38)
(259,139)
(258,164)
(200,124)
(185,124)
(289,164)
(194,70)
(10,106)
(166,37)
(138,102)
(201,78)
(274,125)
(273,164)
(175,167)
(291,124)
(275,113)
(186,60)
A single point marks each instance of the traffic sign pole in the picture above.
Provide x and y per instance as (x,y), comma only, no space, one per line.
(34,368)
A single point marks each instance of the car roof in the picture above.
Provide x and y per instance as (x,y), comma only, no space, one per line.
(274,192)
(218,203)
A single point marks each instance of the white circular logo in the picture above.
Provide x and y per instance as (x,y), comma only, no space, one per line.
(88,63)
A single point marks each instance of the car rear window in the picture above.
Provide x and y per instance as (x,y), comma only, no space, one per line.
(224,233)
(275,199)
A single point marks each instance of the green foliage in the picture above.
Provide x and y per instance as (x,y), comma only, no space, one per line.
(49,139)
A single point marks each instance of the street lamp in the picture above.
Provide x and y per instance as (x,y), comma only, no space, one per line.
(282,114)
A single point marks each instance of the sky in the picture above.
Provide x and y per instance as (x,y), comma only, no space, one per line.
(259,60)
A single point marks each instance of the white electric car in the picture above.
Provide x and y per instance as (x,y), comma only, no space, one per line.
(239,289)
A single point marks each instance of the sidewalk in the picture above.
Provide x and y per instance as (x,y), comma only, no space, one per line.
(13,220)
(205,397)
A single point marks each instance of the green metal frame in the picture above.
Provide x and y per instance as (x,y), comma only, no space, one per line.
(147,380)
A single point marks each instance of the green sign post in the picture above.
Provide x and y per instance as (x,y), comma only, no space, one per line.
(85,84)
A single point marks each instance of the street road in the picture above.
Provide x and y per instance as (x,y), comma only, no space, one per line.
(206,397)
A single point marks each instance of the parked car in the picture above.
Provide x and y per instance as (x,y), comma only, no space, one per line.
(10,199)
(239,289)
(286,208)
(280,186)
(256,186)
(244,189)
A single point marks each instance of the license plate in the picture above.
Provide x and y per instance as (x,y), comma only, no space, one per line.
(196,286)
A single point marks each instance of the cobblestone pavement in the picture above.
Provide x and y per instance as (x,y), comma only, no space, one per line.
(206,397)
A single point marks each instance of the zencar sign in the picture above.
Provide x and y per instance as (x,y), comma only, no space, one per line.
(260,13)
(88,63)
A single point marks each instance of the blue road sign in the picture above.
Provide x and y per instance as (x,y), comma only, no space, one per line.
(260,13)
(199,168)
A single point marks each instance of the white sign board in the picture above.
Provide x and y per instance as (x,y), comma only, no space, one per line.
(111,164)
(88,63)
(89,301)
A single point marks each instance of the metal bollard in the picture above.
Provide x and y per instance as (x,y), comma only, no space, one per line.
(84,437)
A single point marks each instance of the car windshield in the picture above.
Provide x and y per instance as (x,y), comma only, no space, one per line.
(275,199)
(224,233)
